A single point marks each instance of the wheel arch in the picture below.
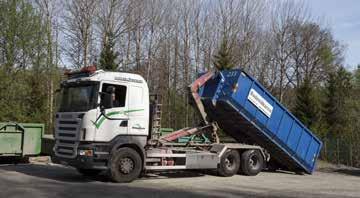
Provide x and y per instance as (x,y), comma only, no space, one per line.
(221,148)
(130,142)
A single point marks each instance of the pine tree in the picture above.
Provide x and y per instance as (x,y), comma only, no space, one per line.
(108,56)
(223,59)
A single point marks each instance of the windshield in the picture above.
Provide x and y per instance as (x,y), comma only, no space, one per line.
(77,97)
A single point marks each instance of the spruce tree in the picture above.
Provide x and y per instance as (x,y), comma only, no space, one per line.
(108,56)
(223,59)
(307,106)
(338,91)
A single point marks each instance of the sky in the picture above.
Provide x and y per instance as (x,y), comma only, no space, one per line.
(343,17)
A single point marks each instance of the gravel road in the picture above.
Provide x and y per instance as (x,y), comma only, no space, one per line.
(47,180)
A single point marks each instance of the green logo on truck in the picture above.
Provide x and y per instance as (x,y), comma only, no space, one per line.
(100,120)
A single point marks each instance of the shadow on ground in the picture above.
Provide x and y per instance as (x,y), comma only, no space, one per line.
(56,173)
(58,181)
(13,160)
(348,172)
(65,174)
(173,174)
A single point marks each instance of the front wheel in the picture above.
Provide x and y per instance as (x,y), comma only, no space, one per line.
(252,162)
(126,165)
(229,163)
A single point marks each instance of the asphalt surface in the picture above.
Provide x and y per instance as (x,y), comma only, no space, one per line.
(47,180)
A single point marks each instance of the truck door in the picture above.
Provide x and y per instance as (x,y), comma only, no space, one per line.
(138,116)
(109,129)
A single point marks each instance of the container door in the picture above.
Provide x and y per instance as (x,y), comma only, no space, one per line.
(10,140)
(32,138)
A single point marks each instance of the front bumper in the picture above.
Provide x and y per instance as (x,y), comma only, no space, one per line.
(99,159)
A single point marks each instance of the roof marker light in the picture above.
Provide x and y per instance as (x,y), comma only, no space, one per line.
(85,71)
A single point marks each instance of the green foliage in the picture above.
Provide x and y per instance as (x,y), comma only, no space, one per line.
(24,69)
(25,100)
(357,76)
(354,104)
(307,104)
(338,90)
(21,33)
(343,118)
(108,55)
(326,55)
(223,59)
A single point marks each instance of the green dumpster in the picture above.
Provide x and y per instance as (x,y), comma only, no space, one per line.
(20,139)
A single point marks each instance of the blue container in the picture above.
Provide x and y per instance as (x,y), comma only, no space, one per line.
(246,111)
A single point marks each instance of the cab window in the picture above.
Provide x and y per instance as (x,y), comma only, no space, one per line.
(120,94)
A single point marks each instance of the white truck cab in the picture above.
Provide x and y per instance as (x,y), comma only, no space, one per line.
(85,129)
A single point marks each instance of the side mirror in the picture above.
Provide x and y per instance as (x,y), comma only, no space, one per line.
(106,101)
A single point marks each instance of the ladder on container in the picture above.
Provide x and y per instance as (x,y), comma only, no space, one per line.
(156,119)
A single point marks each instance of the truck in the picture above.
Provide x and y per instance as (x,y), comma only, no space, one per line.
(108,121)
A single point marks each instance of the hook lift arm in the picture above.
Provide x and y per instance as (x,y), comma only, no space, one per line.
(194,88)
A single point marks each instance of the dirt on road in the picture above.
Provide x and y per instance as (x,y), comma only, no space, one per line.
(48,180)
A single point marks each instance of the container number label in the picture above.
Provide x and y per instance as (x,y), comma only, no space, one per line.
(260,102)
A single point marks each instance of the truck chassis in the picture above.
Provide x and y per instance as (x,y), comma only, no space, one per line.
(228,159)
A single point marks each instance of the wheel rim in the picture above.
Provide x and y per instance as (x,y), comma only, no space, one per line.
(229,162)
(253,162)
(126,165)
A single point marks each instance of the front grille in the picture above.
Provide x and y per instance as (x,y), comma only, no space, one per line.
(67,135)
(67,122)
(68,128)
(65,150)
(66,142)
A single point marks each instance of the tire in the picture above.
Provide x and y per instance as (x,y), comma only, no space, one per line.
(125,165)
(229,163)
(88,172)
(252,162)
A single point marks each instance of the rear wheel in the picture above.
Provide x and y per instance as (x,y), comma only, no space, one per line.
(88,172)
(252,162)
(229,163)
(126,165)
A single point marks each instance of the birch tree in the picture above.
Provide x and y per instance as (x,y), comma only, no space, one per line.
(79,31)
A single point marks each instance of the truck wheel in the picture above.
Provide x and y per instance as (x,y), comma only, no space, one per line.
(88,172)
(229,163)
(125,165)
(251,162)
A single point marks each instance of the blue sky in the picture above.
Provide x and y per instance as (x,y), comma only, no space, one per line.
(343,17)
